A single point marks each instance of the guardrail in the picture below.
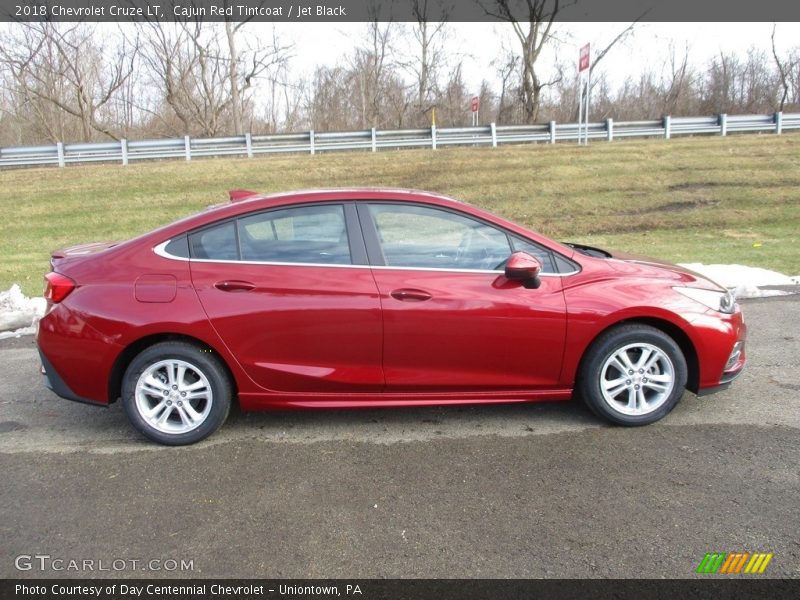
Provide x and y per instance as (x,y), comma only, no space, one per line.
(311,142)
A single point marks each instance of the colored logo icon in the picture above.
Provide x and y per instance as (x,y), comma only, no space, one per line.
(734,563)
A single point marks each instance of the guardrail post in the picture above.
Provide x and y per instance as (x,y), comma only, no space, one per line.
(494,135)
(311,142)
(187,147)
(723,124)
(433,137)
(610,129)
(552,132)
(374,140)
(60,150)
(248,142)
(667,127)
(123,146)
(779,122)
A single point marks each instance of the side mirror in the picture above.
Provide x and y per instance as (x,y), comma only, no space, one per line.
(525,268)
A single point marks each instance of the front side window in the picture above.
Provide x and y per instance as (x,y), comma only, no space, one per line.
(423,237)
(543,254)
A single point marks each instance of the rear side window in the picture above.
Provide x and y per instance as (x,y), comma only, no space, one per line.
(305,234)
(215,243)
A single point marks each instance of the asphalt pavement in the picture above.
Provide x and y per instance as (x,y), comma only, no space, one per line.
(528,491)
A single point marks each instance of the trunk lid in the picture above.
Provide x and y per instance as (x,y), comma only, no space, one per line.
(78,251)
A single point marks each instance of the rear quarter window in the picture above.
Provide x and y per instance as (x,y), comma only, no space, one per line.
(215,243)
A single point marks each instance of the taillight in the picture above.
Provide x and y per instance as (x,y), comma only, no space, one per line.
(57,287)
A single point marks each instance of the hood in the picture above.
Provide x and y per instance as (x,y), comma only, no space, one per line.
(644,266)
(647,266)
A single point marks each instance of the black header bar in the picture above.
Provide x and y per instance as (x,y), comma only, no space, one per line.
(336,11)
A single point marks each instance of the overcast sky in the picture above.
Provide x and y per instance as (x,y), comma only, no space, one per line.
(480,43)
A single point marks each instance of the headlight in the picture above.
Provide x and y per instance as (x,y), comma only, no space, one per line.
(723,302)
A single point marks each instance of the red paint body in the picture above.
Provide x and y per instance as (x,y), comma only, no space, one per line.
(366,335)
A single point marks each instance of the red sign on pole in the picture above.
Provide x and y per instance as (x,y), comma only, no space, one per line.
(583,62)
(475,104)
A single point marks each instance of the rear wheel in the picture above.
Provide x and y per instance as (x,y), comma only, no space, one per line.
(176,393)
(633,375)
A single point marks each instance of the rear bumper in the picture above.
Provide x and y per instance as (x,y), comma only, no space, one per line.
(54,382)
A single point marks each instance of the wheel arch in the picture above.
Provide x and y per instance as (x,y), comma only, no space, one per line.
(130,352)
(673,331)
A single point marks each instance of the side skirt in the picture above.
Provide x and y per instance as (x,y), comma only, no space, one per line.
(255,402)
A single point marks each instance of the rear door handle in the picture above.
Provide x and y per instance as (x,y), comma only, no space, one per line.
(235,286)
(411,295)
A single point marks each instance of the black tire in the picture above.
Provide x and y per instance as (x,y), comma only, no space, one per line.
(205,388)
(600,369)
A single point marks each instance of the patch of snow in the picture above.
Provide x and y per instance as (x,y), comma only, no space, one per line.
(18,332)
(19,315)
(751,291)
(745,282)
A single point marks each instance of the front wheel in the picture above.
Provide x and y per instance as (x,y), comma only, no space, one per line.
(176,393)
(633,375)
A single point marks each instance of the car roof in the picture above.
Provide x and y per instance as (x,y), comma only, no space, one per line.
(243,201)
(353,193)
(247,200)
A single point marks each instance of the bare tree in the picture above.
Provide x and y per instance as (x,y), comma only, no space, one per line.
(735,84)
(533,35)
(429,41)
(453,104)
(67,68)
(595,82)
(204,78)
(486,103)
(599,56)
(679,83)
(785,70)
(284,102)
(245,66)
(328,104)
(507,68)
(370,64)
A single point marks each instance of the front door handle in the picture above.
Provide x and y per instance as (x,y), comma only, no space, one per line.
(411,295)
(235,286)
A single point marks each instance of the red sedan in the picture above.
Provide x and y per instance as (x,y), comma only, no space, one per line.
(364,297)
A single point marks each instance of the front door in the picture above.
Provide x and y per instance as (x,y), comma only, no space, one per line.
(452,321)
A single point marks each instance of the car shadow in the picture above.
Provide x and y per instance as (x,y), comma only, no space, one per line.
(410,423)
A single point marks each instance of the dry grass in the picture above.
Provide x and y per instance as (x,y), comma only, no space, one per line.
(733,199)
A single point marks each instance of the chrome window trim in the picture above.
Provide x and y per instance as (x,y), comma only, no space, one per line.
(160,251)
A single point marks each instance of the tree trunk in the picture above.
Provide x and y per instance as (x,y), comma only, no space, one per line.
(233,76)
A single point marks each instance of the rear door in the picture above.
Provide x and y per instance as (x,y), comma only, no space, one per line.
(452,321)
(290,293)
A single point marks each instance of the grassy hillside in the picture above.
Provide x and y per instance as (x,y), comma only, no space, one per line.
(734,199)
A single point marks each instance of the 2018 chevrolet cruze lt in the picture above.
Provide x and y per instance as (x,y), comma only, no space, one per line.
(365,297)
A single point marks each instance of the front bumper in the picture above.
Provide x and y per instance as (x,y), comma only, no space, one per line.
(734,364)
(724,383)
